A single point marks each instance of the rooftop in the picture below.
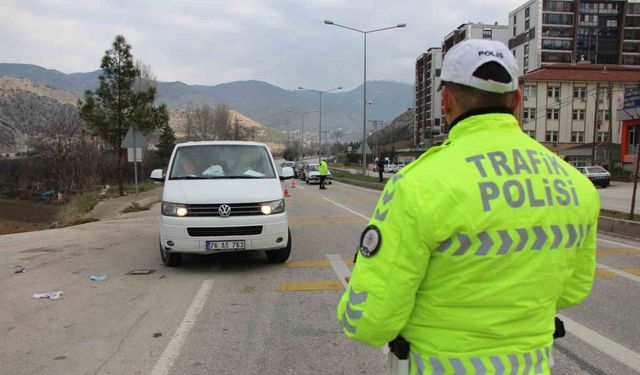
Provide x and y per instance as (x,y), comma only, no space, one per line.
(585,72)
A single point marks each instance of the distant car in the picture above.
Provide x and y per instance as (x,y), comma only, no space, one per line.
(291,164)
(598,175)
(298,169)
(312,175)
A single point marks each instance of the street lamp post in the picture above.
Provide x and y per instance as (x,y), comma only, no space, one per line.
(364,101)
(302,126)
(320,92)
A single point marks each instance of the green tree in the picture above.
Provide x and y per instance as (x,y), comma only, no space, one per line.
(243,133)
(119,103)
(166,144)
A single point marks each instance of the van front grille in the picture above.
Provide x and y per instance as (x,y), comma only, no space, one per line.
(237,209)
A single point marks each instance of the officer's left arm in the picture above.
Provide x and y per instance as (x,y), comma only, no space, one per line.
(383,286)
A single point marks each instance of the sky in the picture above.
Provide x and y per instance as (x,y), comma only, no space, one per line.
(208,42)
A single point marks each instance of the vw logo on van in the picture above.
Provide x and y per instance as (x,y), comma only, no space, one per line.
(224,210)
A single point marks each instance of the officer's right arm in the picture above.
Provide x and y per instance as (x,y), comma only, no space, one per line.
(578,287)
(382,289)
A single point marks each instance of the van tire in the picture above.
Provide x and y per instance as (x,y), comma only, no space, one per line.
(282,255)
(170,259)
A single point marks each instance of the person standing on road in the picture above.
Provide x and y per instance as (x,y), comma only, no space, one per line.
(324,171)
(380,167)
(474,247)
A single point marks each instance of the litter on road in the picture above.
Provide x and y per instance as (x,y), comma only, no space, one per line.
(98,277)
(48,295)
(20,269)
(141,272)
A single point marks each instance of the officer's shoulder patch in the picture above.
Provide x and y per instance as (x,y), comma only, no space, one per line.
(370,241)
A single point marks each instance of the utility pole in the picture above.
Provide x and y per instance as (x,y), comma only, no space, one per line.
(595,126)
(609,156)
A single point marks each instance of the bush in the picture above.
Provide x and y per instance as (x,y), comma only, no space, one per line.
(77,209)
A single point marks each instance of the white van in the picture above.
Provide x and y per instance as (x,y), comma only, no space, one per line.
(222,197)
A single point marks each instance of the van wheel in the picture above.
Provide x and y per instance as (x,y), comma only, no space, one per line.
(170,259)
(282,255)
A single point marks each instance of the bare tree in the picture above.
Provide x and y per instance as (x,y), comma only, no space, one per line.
(67,154)
(223,121)
(200,125)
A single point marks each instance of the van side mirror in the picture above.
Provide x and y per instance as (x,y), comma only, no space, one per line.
(156,175)
(287,173)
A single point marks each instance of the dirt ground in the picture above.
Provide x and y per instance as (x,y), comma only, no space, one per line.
(23,216)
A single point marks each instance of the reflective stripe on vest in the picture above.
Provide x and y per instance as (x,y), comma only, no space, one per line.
(528,363)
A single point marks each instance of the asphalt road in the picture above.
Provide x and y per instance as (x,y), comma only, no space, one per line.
(236,313)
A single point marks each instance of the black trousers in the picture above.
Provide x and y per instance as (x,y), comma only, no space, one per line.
(322,178)
(380,174)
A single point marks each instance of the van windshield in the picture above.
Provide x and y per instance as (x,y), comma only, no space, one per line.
(221,162)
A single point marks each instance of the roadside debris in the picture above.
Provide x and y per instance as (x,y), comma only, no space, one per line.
(157,334)
(98,277)
(48,295)
(141,272)
(20,269)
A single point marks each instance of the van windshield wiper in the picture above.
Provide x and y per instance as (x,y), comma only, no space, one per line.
(188,178)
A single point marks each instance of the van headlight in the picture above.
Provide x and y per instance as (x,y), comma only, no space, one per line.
(275,207)
(174,209)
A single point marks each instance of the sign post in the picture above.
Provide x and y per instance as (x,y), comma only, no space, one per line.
(134,142)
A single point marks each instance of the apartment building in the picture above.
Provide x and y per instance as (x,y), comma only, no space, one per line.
(429,123)
(568,105)
(428,109)
(546,32)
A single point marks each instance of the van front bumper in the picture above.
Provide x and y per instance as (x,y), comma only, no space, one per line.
(174,233)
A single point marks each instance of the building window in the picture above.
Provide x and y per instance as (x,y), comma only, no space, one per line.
(551,136)
(612,23)
(515,20)
(529,92)
(603,115)
(529,113)
(602,94)
(603,136)
(579,92)
(530,133)
(552,114)
(553,92)
(526,49)
(526,62)
(578,114)
(526,24)
(487,33)
(526,12)
(577,137)
(514,30)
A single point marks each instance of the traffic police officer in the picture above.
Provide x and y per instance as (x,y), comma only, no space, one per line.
(473,248)
(323,169)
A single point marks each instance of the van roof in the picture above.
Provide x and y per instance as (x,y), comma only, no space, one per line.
(206,143)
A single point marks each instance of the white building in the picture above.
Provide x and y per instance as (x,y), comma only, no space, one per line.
(475,31)
(561,111)
(428,109)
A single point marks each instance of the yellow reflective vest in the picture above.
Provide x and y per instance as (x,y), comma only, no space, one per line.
(323,168)
(471,250)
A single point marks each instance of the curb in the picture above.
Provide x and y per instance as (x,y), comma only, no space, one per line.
(364,184)
(620,227)
(145,203)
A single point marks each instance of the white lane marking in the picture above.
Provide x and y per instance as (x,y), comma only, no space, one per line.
(617,243)
(340,268)
(626,275)
(611,348)
(170,353)
(346,208)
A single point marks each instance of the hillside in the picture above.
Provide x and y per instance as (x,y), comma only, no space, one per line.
(266,103)
(400,129)
(27,106)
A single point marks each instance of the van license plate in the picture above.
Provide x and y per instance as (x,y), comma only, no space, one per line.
(225,245)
